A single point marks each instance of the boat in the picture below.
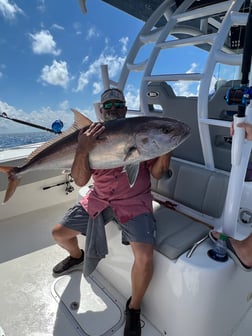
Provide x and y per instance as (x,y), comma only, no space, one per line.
(208,187)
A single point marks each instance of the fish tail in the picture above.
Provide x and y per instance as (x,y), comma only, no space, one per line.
(13,181)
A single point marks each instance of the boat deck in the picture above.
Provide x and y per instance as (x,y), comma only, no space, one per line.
(35,303)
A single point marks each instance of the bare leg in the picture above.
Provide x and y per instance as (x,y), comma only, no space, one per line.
(243,248)
(141,272)
(67,238)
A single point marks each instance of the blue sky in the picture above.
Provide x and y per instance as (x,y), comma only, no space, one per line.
(51,55)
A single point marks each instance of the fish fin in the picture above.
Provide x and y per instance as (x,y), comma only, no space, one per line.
(12,186)
(132,172)
(131,151)
(6,169)
(80,121)
(13,181)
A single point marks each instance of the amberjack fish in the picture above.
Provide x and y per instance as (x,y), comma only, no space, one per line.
(124,143)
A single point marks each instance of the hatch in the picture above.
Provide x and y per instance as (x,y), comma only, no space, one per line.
(91,308)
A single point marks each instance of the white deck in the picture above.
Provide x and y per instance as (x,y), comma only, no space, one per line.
(34,303)
(27,306)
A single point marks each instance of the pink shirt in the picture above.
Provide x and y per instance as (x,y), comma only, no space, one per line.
(111,188)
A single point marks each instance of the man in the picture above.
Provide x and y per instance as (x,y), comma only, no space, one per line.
(132,207)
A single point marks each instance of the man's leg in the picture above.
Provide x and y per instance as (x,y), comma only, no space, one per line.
(67,238)
(141,272)
(65,234)
(139,232)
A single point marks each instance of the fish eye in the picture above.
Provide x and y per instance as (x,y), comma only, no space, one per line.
(166,130)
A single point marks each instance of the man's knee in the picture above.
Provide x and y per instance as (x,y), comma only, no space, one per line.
(59,232)
(143,255)
(145,260)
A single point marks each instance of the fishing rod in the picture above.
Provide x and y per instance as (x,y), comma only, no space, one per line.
(242,95)
(240,150)
(68,182)
(57,125)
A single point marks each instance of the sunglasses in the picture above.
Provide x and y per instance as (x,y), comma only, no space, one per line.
(117,105)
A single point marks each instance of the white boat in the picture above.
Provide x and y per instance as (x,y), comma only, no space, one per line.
(190,293)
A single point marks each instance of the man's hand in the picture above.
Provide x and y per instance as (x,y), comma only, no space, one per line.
(87,139)
(81,171)
(161,165)
(248,129)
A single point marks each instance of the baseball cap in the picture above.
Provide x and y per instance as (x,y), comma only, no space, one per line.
(112,94)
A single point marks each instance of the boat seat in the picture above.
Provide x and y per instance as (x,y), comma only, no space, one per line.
(195,187)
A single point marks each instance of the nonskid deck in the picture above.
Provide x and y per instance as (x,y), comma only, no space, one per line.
(35,303)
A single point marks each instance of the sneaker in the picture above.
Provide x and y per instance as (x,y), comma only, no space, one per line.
(133,324)
(68,264)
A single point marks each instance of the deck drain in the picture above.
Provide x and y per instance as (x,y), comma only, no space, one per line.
(74,305)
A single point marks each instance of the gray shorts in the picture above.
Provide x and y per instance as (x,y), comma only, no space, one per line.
(140,229)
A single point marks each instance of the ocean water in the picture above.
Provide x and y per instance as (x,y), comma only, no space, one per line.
(20,139)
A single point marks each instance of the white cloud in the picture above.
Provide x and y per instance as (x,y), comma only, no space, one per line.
(41,6)
(85,59)
(192,68)
(56,74)
(83,81)
(97,87)
(46,116)
(4,107)
(9,10)
(58,27)
(132,98)
(64,105)
(124,41)
(114,63)
(8,125)
(43,43)
(187,88)
(2,67)
(92,32)
(77,28)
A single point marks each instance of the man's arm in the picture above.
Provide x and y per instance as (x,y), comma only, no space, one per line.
(160,166)
(80,170)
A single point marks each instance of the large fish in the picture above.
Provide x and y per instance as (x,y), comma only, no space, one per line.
(124,143)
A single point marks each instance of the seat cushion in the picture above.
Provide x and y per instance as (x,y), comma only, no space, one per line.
(176,233)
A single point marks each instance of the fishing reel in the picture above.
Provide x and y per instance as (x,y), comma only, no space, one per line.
(239,95)
(57,126)
(69,186)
